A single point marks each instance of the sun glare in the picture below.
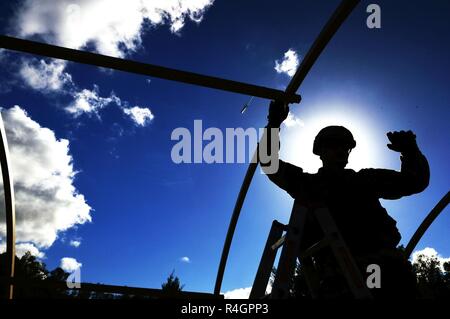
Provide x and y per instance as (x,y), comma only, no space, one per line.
(297,143)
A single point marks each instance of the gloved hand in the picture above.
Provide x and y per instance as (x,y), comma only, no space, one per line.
(404,142)
(278,112)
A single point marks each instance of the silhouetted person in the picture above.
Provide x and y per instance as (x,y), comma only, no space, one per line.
(353,198)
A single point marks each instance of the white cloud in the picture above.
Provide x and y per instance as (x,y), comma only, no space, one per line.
(428,253)
(293,121)
(89,101)
(50,76)
(41,75)
(141,116)
(288,64)
(22,248)
(244,293)
(240,293)
(47,202)
(69,264)
(185,260)
(112,26)
(75,243)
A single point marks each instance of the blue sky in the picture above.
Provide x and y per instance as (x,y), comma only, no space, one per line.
(147,212)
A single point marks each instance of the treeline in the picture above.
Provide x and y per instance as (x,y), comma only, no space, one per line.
(433,281)
(37,282)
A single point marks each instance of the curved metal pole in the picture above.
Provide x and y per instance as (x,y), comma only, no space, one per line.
(333,24)
(426,224)
(233,222)
(9,206)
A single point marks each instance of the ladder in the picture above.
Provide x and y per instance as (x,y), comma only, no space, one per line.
(290,243)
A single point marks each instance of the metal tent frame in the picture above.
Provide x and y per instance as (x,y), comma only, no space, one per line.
(287,96)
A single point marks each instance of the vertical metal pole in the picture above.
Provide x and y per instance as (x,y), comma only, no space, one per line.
(9,207)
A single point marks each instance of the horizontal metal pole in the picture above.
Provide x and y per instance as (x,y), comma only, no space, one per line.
(104,61)
(88,287)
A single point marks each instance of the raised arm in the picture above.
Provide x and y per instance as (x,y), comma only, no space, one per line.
(414,175)
(279,172)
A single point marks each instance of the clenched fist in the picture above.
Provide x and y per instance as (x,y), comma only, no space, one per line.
(278,112)
(403,142)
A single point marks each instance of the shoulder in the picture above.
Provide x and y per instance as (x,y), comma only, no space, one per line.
(375,171)
(289,166)
(372,175)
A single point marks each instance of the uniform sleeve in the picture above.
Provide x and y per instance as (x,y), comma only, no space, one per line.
(286,176)
(413,177)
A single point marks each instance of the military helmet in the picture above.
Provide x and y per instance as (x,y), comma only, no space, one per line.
(333,135)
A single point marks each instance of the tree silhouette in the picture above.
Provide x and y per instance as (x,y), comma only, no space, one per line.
(172,286)
(433,279)
(29,268)
(29,271)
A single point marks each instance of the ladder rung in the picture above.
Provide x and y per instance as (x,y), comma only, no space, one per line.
(291,242)
(316,247)
(279,243)
(266,263)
